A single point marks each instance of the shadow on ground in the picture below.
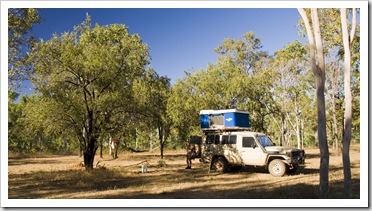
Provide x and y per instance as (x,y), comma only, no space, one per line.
(205,186)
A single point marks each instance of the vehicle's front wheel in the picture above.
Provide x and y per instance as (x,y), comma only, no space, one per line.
(277,168)
(220,165)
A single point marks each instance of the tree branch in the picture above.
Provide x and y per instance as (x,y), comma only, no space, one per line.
(353,26)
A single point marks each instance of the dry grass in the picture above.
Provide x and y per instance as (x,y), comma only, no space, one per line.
(64,177)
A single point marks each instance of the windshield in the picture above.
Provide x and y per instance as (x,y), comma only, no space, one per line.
(265,141)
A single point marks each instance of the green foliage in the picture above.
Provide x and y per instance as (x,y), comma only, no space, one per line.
(151,93)
(245,52)
(330,26)
(20,39)
(30,129)
(221,86)
(86,76)
(92,84)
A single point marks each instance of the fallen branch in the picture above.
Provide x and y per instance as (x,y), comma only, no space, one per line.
(136,151)
(99,166)
(145,161)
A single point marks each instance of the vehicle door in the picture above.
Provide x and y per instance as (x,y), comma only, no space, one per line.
(229,149)
(251,152)
(211,147)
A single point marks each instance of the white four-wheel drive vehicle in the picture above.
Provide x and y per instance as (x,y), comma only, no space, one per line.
(231,150)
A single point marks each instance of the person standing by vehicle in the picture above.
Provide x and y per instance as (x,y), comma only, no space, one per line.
(192,150)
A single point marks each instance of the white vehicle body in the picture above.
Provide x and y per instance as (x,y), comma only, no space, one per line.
(229,149)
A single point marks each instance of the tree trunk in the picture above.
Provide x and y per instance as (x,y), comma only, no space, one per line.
(298,132)
(302,133)
(101,148)
(348,104)
(151,142)
(161,150)
(322,137)
(298,129)
(81,150)
(89,153)
(322,127)
(335,128)
(282,137)
(318,68)
(161,139)
(136,140)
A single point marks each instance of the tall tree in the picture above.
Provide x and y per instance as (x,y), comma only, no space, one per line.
(152,93)
(246,52)
(335,94)
(289,63)
(20,39)
(347,40)
(184,106)
(86,72)
(318,68)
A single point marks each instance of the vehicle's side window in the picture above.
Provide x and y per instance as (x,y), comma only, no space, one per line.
(225,139)
(216,139)
(248,141)
(213,139)
(232,139)
(210,139)
(229,139)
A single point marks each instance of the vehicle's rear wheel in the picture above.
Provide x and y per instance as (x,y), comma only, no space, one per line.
(277,168)
(219,164)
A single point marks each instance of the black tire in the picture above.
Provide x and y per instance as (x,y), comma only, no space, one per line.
(219,164)
(277,168)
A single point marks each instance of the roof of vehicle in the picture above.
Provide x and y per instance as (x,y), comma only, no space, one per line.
(222,111)
(243,133)
(226,132)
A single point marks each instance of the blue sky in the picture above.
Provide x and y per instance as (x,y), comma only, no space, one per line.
(182,39)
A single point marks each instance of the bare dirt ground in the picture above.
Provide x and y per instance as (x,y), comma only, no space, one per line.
(62,177)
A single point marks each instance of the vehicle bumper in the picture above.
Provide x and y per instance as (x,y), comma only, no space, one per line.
(295,161)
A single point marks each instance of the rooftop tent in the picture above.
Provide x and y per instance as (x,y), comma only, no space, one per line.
(224,119)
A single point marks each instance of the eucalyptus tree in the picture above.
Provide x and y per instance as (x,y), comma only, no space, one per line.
(318,68)
(184,106)
(330,24)
(335,92)
(222,85)
(290,87)
(241,78)
(151,97)
(347,40)
(335,36)
(219,86)
(255,96)
(246,51)
(88,74)
(15,141)
(20,39)
(28,130)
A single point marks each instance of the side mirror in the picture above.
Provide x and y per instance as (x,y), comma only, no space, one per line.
(274,144)
(253,146)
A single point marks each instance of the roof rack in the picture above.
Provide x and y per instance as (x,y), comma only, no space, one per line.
(225,129)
